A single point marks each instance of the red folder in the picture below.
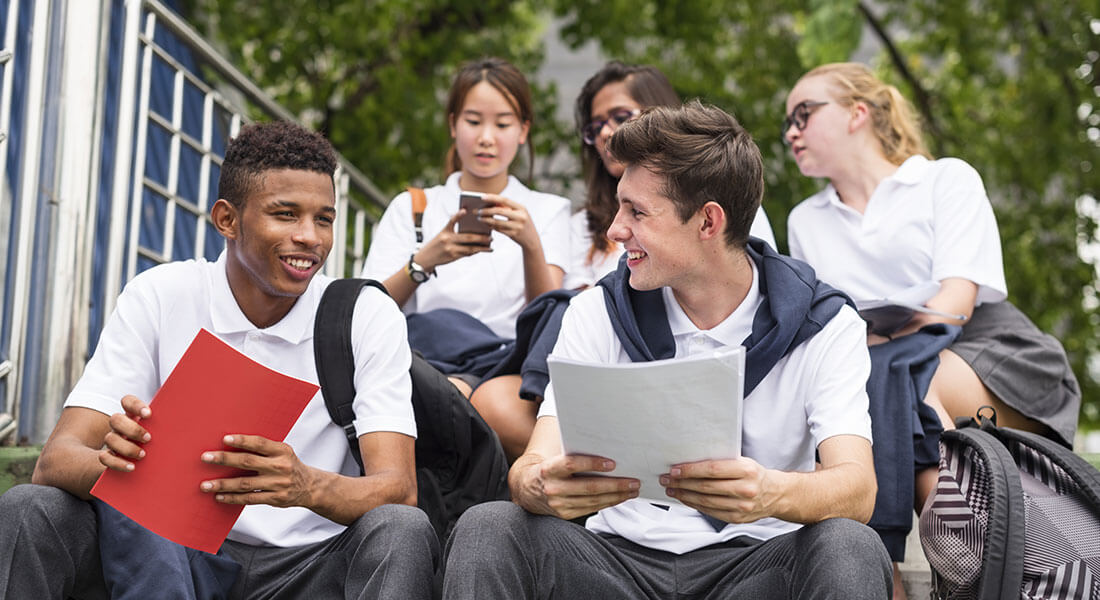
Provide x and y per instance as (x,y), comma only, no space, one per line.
(213,391)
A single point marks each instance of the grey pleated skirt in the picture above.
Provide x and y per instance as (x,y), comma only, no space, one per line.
(1023,367)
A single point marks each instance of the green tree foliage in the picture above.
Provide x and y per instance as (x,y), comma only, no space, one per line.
(374,75)
(1011,87)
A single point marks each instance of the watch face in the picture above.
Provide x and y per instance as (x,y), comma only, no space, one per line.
(416,272)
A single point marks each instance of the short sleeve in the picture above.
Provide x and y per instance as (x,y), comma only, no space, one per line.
(383,398)
(967,243)
(585,335)
(836,401)
(125,361)
(794,230)
(554,233)
(762,227)
(579,272)
(392,241)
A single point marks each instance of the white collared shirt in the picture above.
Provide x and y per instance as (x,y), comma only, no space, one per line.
(158,315)
(585,272)
(816,392)
(929,221)
(489,285)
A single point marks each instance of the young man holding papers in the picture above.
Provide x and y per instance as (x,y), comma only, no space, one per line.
(311,524)
(770,524)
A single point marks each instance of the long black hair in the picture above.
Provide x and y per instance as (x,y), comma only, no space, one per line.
(648,87)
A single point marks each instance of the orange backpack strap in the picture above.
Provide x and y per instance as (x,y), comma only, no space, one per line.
(419,202)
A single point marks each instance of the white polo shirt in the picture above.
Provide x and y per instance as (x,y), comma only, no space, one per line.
(158,315)
(816,392)
(928,221)
(488,285)
(583,272)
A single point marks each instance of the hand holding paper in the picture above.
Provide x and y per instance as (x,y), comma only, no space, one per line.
(650,416)
(731,490)
(571,486)
(213,391)
(279,478)
(126,434)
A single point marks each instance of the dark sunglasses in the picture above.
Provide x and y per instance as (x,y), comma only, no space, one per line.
(615,119)
(800,114)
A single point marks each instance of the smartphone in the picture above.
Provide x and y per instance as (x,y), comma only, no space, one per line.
(469,223)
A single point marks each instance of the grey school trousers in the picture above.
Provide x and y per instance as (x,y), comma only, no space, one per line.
(49,549)
(498,550)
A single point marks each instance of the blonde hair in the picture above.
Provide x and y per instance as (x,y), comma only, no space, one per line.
(893,120)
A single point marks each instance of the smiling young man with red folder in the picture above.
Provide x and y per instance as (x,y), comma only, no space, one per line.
(311,524)
(785,520)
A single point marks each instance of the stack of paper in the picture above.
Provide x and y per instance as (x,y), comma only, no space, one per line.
(652,415)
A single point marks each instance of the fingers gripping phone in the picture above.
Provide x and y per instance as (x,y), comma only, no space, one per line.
(469,223)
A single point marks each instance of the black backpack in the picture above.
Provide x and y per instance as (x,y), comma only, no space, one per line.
(1014,515)
(459,460)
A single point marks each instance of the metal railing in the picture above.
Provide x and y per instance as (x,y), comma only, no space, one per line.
(124,112)
(20,209)
(141,199)
(7,418)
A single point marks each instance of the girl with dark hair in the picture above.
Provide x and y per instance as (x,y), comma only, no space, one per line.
(487,276)
(894,223)
(615,94)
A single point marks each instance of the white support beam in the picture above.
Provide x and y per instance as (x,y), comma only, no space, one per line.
(80,122)
(27,198)
(122,181)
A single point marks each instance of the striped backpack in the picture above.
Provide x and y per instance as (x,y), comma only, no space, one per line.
(1014,515)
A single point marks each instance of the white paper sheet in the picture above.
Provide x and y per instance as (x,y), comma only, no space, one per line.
(649,416)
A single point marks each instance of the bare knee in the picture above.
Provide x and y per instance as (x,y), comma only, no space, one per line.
(961,392)
(957,387)
(511,417)
(461,385)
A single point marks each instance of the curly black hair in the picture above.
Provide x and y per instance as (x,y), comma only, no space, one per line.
(261,147)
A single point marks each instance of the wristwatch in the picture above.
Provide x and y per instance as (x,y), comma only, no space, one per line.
(415,271)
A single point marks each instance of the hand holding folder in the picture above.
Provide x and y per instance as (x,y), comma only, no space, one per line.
(213,391)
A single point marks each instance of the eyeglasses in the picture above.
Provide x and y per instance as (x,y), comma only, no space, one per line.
(800,114)
(615,119)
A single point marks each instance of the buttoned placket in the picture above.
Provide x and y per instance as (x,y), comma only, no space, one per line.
(698,343)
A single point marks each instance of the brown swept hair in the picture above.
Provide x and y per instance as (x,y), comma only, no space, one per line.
(893,120)
(648,87)
(506,79)
(704,155)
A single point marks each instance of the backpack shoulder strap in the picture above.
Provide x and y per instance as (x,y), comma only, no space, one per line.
(1083,474)
(333,355)
(1003,547)
(419,203)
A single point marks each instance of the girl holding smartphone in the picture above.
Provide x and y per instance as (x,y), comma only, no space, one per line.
(488,276)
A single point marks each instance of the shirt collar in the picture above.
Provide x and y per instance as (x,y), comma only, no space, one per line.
(910,172)
(826,197)
(732,331)
(226,316)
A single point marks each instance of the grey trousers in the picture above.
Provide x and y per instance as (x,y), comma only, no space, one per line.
(49,549)
(498,550)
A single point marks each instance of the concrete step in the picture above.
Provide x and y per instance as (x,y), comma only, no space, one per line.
(16,465)
(916,575)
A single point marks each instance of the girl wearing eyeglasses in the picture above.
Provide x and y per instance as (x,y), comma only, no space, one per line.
(488,276)
(615,94)
(893,221)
